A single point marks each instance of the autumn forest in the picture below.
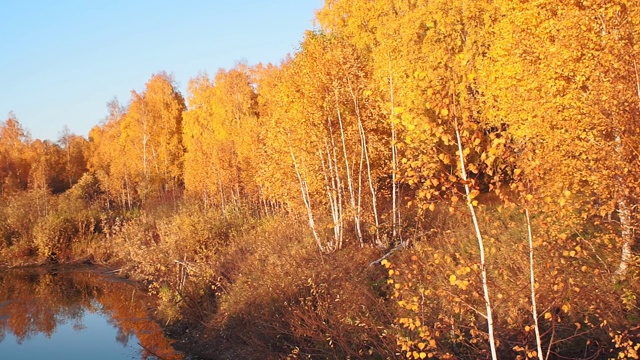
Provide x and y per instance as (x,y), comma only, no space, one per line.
(441,179)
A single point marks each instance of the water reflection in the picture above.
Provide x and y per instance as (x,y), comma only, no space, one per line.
(77,313)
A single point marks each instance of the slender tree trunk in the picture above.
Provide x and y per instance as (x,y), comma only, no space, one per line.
(485,287)
(624,215)
(552,338)
(222,198)
(335,170)
(626,232)
(365,151)
(624,208)
(360,169)
(395,224)
(352,200)
(333,191)
(304,189)
(332,196)
(532,279)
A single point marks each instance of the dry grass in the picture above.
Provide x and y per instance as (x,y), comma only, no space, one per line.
(256,287)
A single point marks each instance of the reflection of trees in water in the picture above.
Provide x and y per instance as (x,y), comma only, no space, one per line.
(79,326)
(123,337)
(38,302)
(34,302)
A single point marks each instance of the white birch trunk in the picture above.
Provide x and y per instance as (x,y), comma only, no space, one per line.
(338,183)
(532,279)
(365,151)
(626,232)
(332,196)
(624,209)
(483,268)
(352,200)
(394,163)
(304,189)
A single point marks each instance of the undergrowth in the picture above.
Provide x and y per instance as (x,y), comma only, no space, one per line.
(256,287)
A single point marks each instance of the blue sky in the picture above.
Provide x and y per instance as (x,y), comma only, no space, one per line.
(62,61)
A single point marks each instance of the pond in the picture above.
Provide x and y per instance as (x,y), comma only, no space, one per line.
(77,314)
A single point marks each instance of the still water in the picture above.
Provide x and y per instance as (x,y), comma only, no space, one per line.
(77,314)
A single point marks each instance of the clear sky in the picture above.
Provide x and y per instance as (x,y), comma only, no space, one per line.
(62,61)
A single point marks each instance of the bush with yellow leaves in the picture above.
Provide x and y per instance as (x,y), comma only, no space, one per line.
(435,292)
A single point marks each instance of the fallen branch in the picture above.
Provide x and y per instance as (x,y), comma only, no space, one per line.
(398,247)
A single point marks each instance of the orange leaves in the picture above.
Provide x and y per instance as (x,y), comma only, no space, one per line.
(15,160)
(139,152)
(458,279)
(445,158)
(530,354)
(221,135)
